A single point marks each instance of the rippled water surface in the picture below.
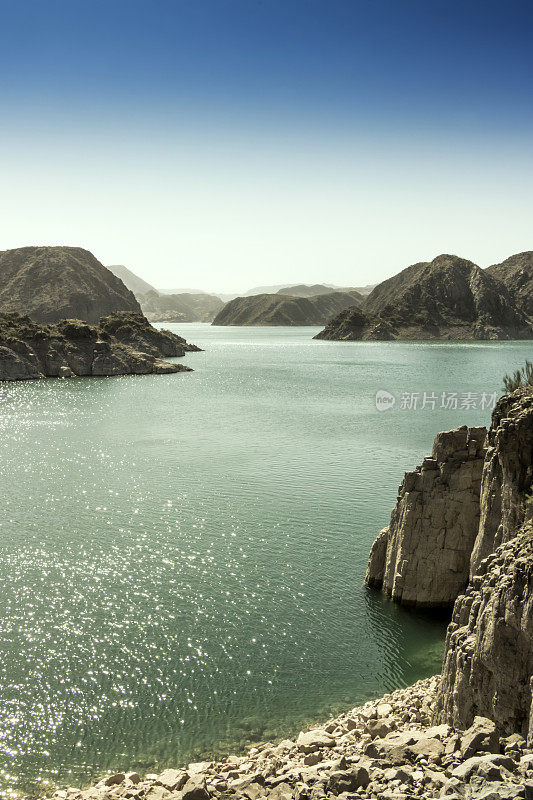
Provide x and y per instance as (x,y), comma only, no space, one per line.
(182,556)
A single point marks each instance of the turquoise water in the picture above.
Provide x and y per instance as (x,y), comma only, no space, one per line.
(182,556)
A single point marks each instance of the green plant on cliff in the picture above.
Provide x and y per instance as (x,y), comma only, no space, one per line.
(520,378)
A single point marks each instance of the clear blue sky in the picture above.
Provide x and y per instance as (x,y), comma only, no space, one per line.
(228,143)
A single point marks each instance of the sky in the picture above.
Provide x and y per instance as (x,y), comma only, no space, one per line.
(225,144)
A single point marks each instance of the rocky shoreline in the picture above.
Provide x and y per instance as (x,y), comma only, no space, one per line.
(123,343)
(386,749)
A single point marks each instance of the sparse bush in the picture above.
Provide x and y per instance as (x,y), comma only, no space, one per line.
(520,378)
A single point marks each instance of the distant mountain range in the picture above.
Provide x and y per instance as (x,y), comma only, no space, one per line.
(193,305)
(281,309)
(180,307)
(306,290)
(447,298)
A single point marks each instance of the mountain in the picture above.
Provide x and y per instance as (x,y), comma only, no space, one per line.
(130,280)
(279,309)
(516,272)
(264,290)
(180,307)
(53,283)
(124,343)
(447,298)
(304,290)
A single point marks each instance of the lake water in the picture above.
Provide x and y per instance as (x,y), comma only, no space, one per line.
(182,556)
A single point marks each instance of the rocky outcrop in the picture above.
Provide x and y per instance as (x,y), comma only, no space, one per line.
(135,331)
(422,557)
(447,298)
(507,476)
(488,662)
(122,344)
(280,309)
(53,283)
(386,749)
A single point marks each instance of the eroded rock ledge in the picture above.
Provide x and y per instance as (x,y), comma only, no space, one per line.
(422,558)
(123,343)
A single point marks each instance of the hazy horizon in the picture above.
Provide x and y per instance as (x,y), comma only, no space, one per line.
(227,144)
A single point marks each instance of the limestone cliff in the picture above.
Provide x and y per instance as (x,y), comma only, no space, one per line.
(488,660)
(422,558)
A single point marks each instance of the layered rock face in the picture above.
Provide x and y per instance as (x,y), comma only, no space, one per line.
(507,476)
(422,557)
(54,283)
(122,344)
(488,660)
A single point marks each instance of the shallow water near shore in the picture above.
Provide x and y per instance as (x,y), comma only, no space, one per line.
(182,556)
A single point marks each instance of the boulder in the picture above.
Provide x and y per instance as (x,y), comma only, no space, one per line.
(309,741)
(464,770)
(113,780)
(195,789)
(173,779)
(481,735)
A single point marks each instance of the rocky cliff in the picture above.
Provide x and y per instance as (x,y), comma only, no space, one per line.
(422,557)
(437,538)
(122,344)
(507,475)
(281,309)
(53,283)
(447,298)
(488,662)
